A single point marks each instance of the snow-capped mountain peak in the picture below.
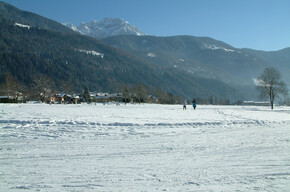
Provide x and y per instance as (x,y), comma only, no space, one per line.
(106,28)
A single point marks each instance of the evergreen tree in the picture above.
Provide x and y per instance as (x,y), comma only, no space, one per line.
(126,95)
(87,95)
(140,93)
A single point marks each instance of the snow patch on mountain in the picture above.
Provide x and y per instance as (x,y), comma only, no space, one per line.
(92,53)
(151,55)
(216,47)
(73,27)
(106,28)
(21,25)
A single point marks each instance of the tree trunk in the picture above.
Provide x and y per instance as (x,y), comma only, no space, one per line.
(272,101)
(272,105)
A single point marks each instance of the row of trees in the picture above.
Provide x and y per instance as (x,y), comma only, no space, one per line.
(269,85)
(140,93)
(40,88)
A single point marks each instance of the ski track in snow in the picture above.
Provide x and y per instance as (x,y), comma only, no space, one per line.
(143,148)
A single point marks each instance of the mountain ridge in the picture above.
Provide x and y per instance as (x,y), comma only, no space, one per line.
(106,28)
(204,56)
(10,12)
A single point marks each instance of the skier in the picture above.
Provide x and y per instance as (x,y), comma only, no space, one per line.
(194,103)
(184,105)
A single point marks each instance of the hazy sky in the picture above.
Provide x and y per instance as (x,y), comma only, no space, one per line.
(256,24)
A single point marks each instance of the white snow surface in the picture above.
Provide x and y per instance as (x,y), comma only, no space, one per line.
(216,47)
(21,25)
(92,53)
(151,55)
(145,147)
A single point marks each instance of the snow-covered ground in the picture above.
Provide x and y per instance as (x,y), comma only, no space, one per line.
(143,148)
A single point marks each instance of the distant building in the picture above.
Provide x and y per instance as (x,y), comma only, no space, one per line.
(152,99)
(4,99)
(56,98)
(16,98)
(106,97)
(256,103)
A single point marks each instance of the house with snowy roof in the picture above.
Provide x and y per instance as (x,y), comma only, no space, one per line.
(152,99)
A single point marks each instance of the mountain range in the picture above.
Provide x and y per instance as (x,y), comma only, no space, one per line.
(201,56)
(183,65)
(106,28)
(205,57)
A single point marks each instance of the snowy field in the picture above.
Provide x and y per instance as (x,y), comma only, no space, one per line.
(143,148)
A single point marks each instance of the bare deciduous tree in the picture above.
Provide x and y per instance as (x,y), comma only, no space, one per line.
(13,87)
(270,84)
(10,84)
(44,86)
(67,87)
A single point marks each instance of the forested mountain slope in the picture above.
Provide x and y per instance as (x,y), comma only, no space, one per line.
(204,57)
(27,49)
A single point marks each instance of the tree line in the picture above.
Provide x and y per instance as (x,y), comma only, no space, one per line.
(139,94)
(269,85)
(42,87)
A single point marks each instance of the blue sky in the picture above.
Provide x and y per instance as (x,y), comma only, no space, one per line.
(256,24)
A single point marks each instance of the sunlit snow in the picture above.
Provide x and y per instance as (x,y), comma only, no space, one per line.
(259,82)
(21,25)
(215,47)
(151,55)
(147,147)
(92,53)
(182,60)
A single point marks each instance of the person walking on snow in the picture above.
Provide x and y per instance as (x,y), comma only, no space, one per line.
(184,105)
(194,104)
